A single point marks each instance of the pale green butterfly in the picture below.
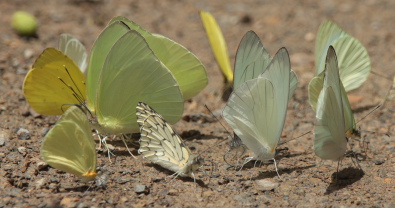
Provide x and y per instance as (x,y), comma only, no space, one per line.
(252,60)
(184,65)
(75,50)
(353,59)
(256,110)
(335,121)
(69,145)
(123,71)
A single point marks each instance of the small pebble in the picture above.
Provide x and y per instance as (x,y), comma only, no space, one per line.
(42,165)
(3,137)
(378,161)
(23,134)
(28,53)
(265,185)
(22,150)
(40,183)
(140,189)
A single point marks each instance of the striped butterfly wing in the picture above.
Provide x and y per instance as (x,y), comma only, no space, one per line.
(160,144)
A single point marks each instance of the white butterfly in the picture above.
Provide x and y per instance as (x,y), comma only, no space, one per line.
(160,144)
(333,124)
(256,110)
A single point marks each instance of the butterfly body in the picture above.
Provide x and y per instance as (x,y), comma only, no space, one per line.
(160,144)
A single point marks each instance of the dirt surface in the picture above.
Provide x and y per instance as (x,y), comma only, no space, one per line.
(306,180)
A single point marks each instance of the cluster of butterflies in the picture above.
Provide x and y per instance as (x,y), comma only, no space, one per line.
(262,87)
(129,67)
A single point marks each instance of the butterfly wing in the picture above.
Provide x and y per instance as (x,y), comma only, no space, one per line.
(328,32)
(257,109)
(250,111)
(159,143)
(69,145)
(317,84)
(184,65)
(54,83)
(218,44)
(251,59)
(315,87)
(354,62)
(279,73)
(99,52)
(329,134)
(131,74)
(353,59)
(75,50)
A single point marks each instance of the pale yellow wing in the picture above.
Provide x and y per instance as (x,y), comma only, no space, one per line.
(218,44)
(69,145)
(54,84)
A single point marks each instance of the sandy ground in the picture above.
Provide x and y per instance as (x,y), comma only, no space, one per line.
(307,181)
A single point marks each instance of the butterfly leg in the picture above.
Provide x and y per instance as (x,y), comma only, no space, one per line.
(124,141)
(275,165)
(109,153)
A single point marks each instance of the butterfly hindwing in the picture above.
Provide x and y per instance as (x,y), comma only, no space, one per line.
(132,70)
(187,69)
(160,144)
(74,49)
(69,145)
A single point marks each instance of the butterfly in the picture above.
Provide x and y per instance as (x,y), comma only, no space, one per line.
(259,95)
(160,144)
(69,145)
(218,44)
(122,70)
(353,59)
(257,108)
(189,72)
(335,121)
(75,50)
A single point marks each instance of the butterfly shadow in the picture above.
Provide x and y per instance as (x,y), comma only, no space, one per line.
(170,178)
(81,189)
(273,173)
(190,135)
(282,153)
(344,178)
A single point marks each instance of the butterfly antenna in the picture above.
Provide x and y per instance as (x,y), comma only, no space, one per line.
(309,132)
(211,112)
(380,75)
(377,107)
(226,130)
(222,126)
(71,78)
